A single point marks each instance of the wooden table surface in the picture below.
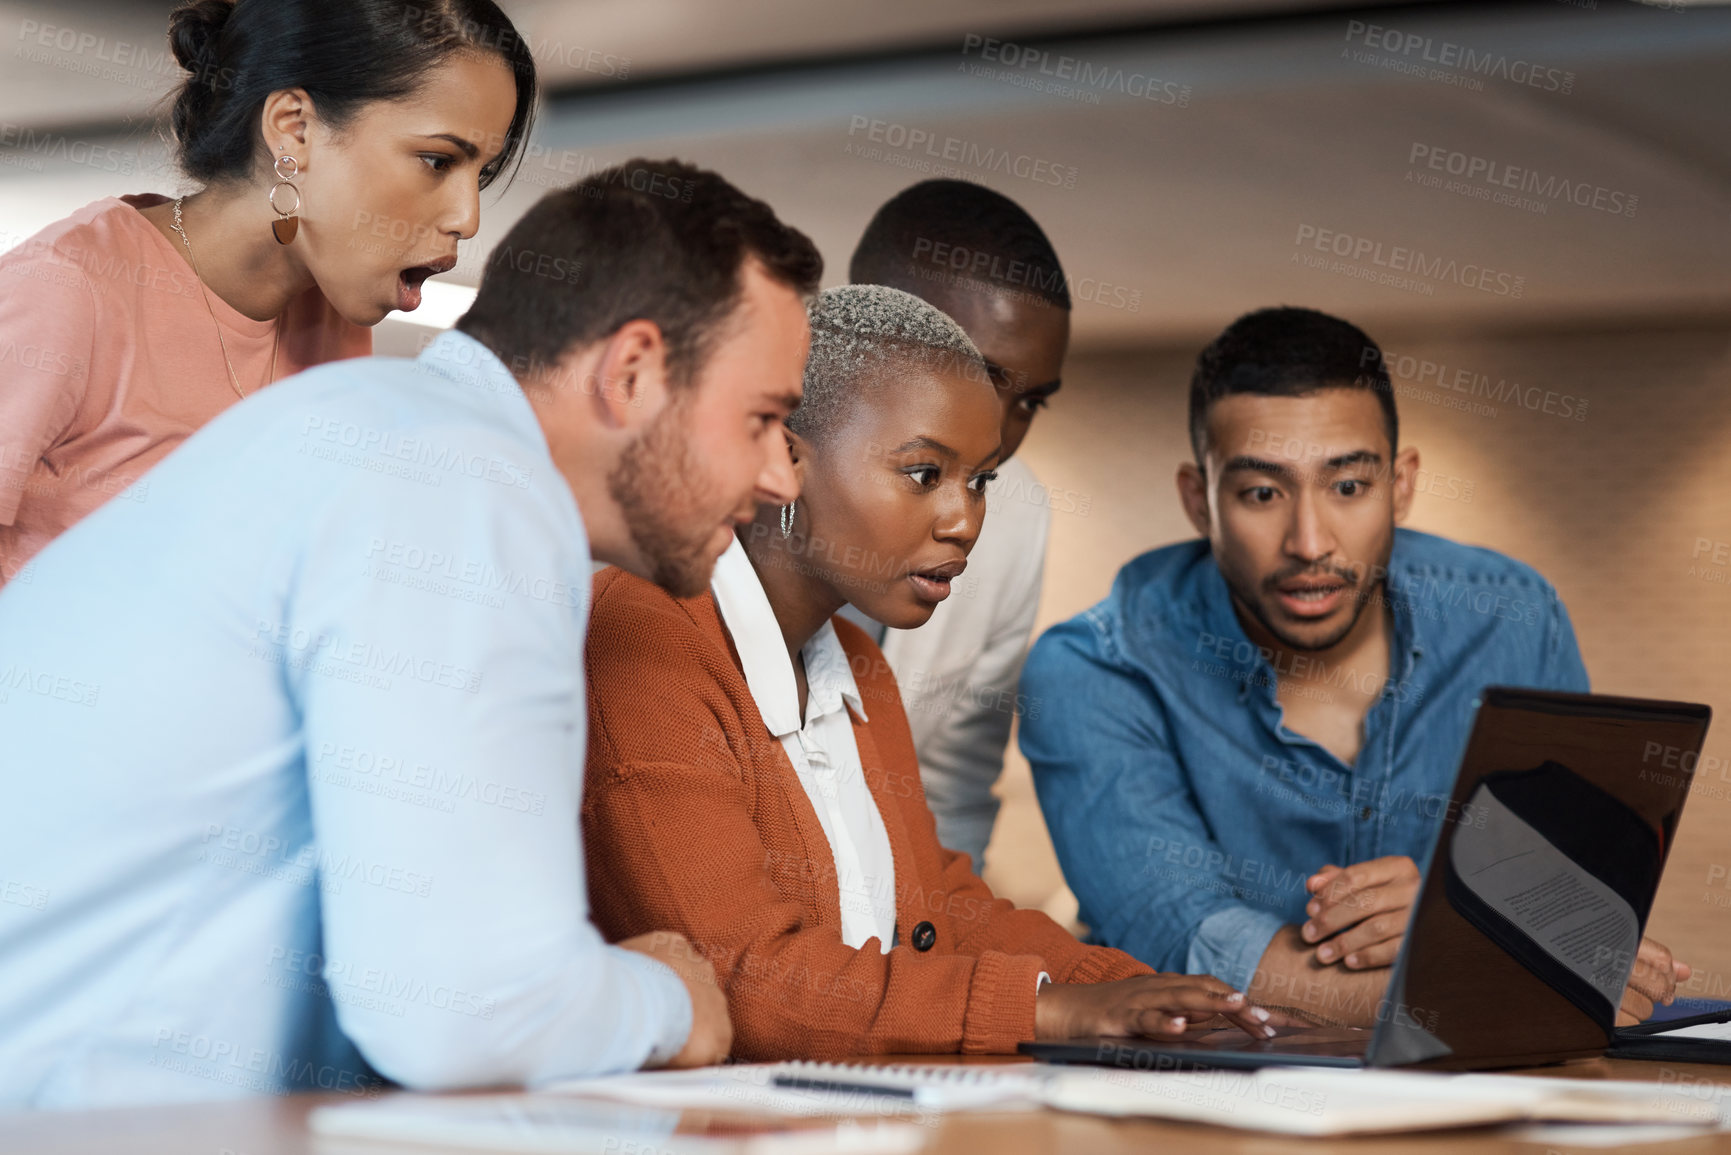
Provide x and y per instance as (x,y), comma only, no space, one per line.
(277,1126)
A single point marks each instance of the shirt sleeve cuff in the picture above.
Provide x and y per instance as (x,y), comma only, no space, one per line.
(1231,942)
(666,1000)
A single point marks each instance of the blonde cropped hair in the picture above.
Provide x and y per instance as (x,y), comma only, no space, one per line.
(861,332)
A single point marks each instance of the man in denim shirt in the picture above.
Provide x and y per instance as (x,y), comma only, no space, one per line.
(1252,741)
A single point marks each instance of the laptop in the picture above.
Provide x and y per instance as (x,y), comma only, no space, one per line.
(1526,924)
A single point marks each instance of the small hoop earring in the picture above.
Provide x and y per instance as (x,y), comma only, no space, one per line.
(287,223)
(787,512)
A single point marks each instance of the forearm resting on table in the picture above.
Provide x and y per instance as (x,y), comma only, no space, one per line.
(1290,980)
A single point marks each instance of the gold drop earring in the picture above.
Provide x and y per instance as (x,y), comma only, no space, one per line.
(287,223)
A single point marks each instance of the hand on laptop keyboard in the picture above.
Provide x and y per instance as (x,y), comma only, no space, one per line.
(1155,1006)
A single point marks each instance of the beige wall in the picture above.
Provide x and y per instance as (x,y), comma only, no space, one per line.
(1611,508)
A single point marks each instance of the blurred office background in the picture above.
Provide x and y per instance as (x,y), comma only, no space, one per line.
(1563,347)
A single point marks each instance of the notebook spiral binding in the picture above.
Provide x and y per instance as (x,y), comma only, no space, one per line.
(911,1074)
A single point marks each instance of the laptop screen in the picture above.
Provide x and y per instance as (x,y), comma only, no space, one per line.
(1543,876)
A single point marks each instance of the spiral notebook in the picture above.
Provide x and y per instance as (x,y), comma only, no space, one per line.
(804,1088)
(1293,1101)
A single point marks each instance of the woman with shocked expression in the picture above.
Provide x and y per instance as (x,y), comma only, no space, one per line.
(340,148)
(892,464)
(751,778)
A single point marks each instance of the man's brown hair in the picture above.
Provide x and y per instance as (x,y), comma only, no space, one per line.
(656,240)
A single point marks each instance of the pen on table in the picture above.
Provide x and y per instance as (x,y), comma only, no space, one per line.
(802,1083)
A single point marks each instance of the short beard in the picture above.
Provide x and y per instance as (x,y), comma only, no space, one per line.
(1251,600)
(654,483)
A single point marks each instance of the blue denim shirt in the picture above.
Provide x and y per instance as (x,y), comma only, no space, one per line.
(1187,817)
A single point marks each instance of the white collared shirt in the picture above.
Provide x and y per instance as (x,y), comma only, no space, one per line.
(822,750)
(958,674)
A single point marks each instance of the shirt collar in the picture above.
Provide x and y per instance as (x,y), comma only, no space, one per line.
(745,610)
(1408,635)
(1217,620)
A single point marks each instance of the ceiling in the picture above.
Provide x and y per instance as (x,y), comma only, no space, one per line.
(1273,157)
(577,43)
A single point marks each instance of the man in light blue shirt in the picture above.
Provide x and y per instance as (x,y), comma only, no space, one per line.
(1246,750)
(293,749)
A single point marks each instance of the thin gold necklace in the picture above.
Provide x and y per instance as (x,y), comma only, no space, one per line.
(276,340)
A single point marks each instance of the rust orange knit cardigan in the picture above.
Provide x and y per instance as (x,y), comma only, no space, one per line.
(694,820)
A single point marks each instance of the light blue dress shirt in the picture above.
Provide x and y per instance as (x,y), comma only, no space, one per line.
(1187,816)
(291,754)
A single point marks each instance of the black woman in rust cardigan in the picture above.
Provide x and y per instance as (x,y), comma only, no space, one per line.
(751,778)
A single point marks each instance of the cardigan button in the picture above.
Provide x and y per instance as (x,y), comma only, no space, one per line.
(925,936)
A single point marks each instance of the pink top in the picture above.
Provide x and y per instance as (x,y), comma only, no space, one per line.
(109,359)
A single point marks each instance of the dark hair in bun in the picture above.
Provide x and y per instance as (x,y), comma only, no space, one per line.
(344,53)
(193,29)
